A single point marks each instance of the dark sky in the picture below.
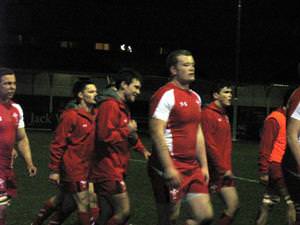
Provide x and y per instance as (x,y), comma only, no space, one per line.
(270,30)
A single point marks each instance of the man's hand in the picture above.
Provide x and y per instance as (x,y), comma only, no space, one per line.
(173,177)
(228,174)
(132,125)
(146,154)
(54,178)
(264,179)
(14,155)
(205,174)
(32,170)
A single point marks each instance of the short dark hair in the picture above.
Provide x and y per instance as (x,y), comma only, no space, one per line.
(5,71)
(80,85)
(127,75)
(172,57)
(219,85)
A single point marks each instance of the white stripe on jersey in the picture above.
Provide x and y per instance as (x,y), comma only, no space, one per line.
(21,123)
(296,113)
(169,141)
(164,106)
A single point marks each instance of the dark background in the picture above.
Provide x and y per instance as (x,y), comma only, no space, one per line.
(269,36)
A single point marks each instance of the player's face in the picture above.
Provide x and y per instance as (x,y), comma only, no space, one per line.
(224,97)
(184,70)
(89,93)
(7,87)
(132,90)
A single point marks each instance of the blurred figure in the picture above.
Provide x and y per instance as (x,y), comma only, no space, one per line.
(291,158)
(72,147)
(272,148)
(178,166)
(12,131)
(218,140)
(116,135)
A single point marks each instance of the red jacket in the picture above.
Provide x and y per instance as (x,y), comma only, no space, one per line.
(112,145)
(217,132)
(73,144)
(273,140)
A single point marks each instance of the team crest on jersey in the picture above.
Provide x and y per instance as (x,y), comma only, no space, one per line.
(84,125)
(220,119)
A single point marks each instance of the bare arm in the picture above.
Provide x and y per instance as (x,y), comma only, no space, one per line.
(201,153)
(171,174)
(293,131)
(24,148)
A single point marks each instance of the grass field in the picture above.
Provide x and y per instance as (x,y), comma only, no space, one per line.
(34,191)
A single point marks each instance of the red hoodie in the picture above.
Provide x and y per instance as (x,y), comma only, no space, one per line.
(73,144)
(217,132)
(112,145)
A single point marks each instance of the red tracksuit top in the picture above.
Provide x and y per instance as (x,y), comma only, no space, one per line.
(112,146)
(268,151)
(217,132)
(73,144)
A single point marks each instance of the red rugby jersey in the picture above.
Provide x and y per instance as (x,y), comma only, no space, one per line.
(293,111)
(181,109)
(11,118)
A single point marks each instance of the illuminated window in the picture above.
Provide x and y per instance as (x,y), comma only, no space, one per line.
(162,51)
(102,46)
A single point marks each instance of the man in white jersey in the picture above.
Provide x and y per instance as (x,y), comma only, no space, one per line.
(178,165)
(12,131)
(291,159)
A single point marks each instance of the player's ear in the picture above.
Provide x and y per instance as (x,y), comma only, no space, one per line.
(215,95)
(173,70)
(80,95)
(123,85)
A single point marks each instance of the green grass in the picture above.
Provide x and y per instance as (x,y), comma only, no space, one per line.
(32,192)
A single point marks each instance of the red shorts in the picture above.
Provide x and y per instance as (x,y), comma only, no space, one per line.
(193,182)
(74,187)
(8,183)
(110,187)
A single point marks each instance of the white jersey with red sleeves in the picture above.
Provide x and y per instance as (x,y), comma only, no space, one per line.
(181,109)
(293,111)
(11,119)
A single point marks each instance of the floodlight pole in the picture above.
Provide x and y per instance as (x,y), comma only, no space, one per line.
(237,69)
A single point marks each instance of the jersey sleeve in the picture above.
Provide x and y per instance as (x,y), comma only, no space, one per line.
(268,137)
(59,143)
(161,105)
(296,113)
(21,123)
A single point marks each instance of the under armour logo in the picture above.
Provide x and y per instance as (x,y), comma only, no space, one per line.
(0,118)
(220,119)
(84,125)
(183,104)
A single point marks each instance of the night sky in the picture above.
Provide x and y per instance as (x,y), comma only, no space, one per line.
(269,34)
